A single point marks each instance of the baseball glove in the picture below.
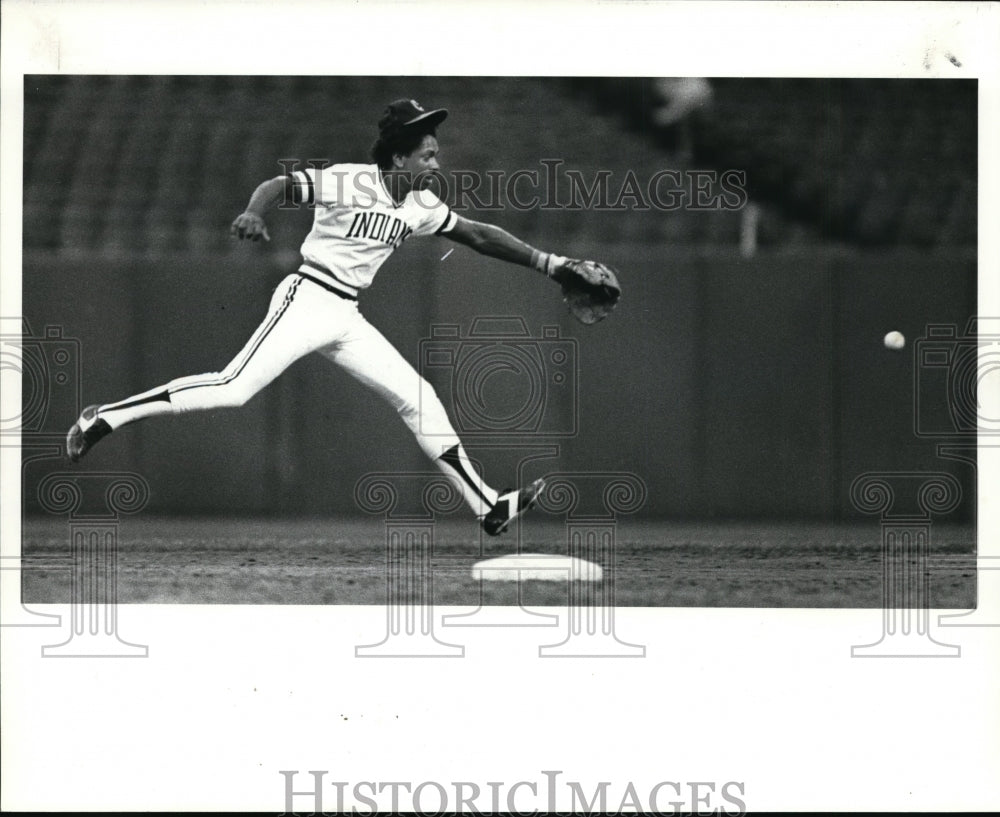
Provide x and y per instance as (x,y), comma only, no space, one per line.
(590,289)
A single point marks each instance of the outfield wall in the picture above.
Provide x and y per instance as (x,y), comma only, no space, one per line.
(734,387)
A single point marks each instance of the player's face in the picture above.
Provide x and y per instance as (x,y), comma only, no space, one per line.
(422,163)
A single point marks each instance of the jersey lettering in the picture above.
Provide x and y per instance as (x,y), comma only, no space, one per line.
(356,230)
(360,224)
(373,226)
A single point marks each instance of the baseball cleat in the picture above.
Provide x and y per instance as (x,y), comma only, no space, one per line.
(510,505)
(85,433)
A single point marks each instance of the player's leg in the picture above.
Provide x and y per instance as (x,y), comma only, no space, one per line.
(366,354)
(297,322)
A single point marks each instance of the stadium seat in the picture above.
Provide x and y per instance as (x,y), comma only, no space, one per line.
(835,157)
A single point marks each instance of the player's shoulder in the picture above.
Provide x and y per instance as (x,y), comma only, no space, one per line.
(343,170)
(351,168)
(342,182)
(353,175)
(425,199)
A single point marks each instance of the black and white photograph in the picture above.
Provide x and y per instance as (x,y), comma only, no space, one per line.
(774,242)
(367,396)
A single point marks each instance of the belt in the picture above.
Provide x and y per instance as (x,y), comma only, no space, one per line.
(328,287)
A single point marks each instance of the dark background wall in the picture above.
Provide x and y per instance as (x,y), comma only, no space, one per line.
(737,378)
(732,386)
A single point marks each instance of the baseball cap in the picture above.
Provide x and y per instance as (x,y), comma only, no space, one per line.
(405,112)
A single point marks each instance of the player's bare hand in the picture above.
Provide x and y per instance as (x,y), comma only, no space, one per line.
(249,225)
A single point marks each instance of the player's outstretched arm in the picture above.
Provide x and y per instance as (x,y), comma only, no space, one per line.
(250,223)
(591,290)
(496,242)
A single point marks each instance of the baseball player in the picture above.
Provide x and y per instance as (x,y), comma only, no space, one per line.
(363,213)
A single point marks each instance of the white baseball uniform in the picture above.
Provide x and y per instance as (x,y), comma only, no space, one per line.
(357,225)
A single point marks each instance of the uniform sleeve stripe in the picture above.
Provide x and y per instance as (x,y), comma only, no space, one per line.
(447,224)
(303,190)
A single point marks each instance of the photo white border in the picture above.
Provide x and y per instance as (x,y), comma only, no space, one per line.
(230,695)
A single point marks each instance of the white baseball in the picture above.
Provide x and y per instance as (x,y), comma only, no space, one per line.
(894,340)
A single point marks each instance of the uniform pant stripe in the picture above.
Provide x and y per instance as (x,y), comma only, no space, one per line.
(249,352)
(162,396)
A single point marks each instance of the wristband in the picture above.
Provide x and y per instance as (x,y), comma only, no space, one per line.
(546,262)
(552,263)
